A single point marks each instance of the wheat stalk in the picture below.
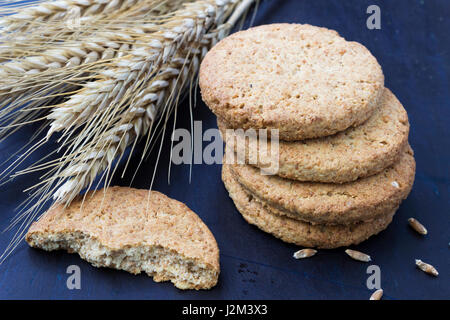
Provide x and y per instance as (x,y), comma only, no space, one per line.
(83,165)
(136,122)
(70,26)
(61,69)
(39,79)
(93,46)
(144,88)
(130,73)
(65,63)
(22,79)
(158,49)
(137,119)
(36,80)
(31,27)
(52,11)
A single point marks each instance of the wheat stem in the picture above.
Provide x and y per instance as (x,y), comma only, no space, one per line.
(59,69)
(38,35)
(129,73)
(144,88)
(52,11)
(136,121)
(140,114)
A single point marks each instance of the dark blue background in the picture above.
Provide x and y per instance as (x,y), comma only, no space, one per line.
(413,49)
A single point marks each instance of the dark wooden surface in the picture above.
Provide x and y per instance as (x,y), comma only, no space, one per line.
(413,49)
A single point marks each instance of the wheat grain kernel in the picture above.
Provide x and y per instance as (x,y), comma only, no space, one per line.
(417,226)
(377,295)
(304,253)
(427,268)
(358,255)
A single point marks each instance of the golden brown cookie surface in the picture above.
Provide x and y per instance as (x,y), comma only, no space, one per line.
(124,229)
(298,232)
(305,81)
(359,200)
(346,156)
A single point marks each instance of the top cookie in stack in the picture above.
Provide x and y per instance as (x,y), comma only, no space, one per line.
(343,136)
(304,81)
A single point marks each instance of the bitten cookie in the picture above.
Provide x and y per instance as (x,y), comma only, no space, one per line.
(303,80)
(123,228)
(298,232)
(325,203)
(346,156)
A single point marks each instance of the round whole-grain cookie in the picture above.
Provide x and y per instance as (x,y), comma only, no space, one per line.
(303,80)
(133,230)
(298,232)
(326,203)
(346,156)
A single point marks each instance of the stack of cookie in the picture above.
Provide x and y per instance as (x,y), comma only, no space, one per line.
(344,162)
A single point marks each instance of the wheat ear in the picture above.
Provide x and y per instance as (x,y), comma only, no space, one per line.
(84,164)
(28,85)
(23,77)
(149,98)
(98,156)
(92,46)
(133,117)
(51,11)
(34,36)
(25,80)
(129,73)
(138,117)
